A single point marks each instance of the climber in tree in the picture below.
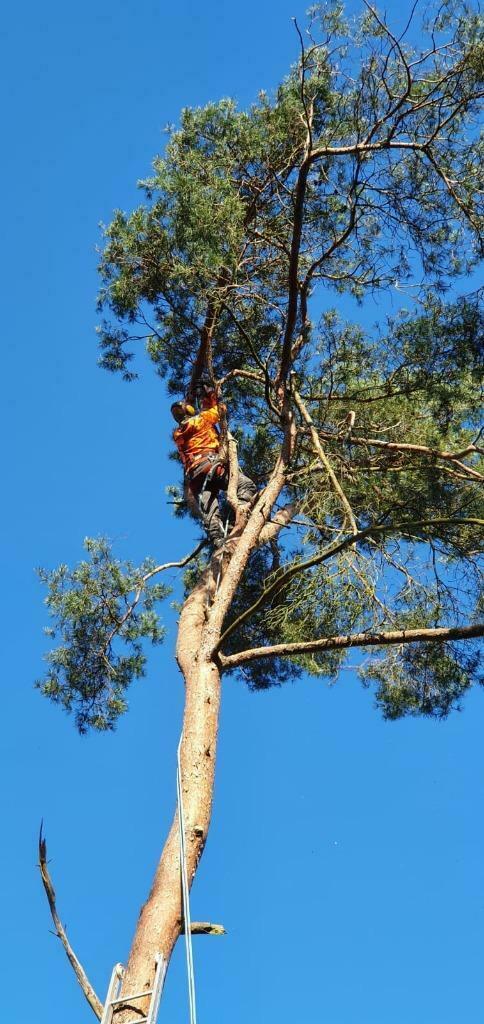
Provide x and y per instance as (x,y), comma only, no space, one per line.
(198,441)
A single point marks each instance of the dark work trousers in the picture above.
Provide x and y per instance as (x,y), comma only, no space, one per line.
(206,487)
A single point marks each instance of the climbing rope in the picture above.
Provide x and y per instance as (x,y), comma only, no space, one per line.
(185,893)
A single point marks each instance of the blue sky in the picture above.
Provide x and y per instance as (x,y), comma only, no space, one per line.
(345,857)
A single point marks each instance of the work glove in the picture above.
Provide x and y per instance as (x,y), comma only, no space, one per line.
(203,387)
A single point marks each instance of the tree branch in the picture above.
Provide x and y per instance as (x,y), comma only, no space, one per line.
(475,224)
(399,636)
(233,475)
(276,524)
(418,449)
(245,374)
(293,277)
(93,1000)
(337,488)
(153,572)
(307,113)
(205,928)
(203,360)
(335,549)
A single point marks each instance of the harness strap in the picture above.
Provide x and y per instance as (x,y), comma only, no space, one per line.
(209,466)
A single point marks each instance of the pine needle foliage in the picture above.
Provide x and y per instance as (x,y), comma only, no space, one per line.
(103,610)
(360,176)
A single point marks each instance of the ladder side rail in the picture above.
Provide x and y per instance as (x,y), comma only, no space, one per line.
(113,990)
(160,974)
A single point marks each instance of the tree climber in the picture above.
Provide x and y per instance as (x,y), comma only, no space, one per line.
(206,473)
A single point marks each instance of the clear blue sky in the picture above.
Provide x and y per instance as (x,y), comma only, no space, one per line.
(345,857)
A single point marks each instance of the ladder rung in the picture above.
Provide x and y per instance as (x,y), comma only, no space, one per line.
(122,1003)
(128,999)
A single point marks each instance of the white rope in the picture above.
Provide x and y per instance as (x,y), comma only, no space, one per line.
(185,893)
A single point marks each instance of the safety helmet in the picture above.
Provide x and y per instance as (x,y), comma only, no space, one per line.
(180,410)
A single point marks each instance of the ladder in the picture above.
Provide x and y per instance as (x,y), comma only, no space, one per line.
(114,1000)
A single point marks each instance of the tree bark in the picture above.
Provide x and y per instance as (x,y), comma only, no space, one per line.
(161,919)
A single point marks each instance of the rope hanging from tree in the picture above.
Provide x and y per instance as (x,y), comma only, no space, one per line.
(185,892)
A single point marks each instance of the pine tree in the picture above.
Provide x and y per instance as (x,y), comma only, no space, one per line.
(361,175)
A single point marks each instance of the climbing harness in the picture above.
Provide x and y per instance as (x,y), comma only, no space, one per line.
(208,468)
(185,892)
(114,1001)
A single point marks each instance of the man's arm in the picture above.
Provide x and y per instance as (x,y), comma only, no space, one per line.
(211,408)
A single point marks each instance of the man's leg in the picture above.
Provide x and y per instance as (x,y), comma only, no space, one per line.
(246,488)
(207,498)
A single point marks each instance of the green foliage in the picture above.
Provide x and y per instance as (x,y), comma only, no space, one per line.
(102,610)
(390,201)
(216,213)
(428,680)
(422,385)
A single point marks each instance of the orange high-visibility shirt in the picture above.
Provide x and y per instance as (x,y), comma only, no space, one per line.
(197,436)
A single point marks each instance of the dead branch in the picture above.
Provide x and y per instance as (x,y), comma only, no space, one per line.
(93,1000)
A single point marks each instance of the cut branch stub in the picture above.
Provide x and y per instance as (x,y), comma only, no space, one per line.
(205,928)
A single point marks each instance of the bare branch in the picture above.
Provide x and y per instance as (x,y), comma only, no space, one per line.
(337,488)
(244,374)
(93,1000)
(276,524)
(365,147)
(418,449)
(399,636)
(176,565)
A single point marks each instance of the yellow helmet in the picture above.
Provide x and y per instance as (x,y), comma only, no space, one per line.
(180,410)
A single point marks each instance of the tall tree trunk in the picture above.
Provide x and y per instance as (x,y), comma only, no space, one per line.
(199,632)
(161,917)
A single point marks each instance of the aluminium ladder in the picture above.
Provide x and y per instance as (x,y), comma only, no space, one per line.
(114,1000)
